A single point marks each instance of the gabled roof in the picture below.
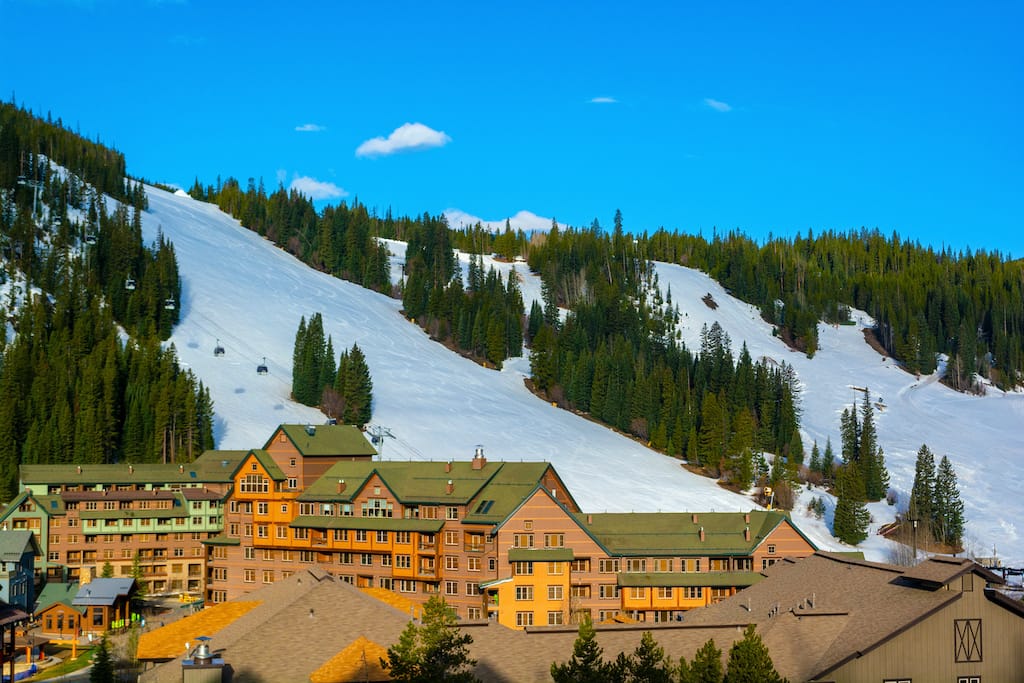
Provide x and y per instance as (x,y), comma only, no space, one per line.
(847,608)
(677,533)
(15,543)
(55,592)
(360,661)
(329,440)
(264,459)
(103,591)
(502,483)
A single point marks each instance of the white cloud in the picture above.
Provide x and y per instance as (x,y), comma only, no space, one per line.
(717,105)
(408,136)
(603,100)
(317,189)
(525,220)
(310,128)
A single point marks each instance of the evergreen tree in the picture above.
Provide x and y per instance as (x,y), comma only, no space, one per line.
(749,661)
(356,387)
(850,523)
(586,664)
(102,670)
(922,494)
(948,508)
(815,464)
(649,664)
(435,650)
(707,664)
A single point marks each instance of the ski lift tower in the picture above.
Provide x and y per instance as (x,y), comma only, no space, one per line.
(377,434)
(36,186)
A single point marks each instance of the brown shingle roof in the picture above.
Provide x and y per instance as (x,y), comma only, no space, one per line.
(360,661)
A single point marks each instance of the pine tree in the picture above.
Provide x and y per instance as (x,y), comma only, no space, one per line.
(435,650)
(850,524)
(815,464)
(749,661)
(707,664)
(922,495)
(586,664)
(828,461)
(649,663)
(948,508)
(102,670)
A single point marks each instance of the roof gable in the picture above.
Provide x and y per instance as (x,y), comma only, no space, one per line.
(14,543)
(324,440)
(104,591)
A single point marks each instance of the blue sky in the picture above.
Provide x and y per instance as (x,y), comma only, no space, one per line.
(762,117)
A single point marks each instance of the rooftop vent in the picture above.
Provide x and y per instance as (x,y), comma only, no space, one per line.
(311,430)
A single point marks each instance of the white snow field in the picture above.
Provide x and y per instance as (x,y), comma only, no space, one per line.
(243,291)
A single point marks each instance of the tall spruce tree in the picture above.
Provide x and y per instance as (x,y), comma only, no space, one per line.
(750,662)
(948,508)
(706,666)
(922,494)
(434,650)
(586,664)
(649,664)
(850,523)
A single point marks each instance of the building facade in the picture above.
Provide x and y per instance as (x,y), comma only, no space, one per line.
(18,550)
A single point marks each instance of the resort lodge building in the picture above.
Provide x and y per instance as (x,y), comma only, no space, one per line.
(499,540)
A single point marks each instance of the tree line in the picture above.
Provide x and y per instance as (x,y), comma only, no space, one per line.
(72,388)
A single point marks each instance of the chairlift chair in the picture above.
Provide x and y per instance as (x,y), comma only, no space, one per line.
(90,239)
(129,284)
(169,304)
(262,369)
(218,350)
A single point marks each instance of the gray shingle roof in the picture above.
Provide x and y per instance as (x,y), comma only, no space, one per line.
(103,591)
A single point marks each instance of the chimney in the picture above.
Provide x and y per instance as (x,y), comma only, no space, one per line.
(181,469)
(701,533)
(79,469)
(694,517)
(341,485)
(746,518)
(131,470)
(746,534)
(448,466)
(478,458)
(450,487)
(590,519)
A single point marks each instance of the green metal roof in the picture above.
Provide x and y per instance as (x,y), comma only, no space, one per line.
(54,592)
(316,440)
(211,466)
(694,579)
(222,539)
(177,511)
(541,555)
(675,533)
(412,483)
(268,464)
(432,526)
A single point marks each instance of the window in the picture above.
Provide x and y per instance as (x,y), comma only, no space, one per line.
(261,508)
(967,640)
(767,562)
(284,508)
(250,575)
(693,592)
(403,561)
(247,530)
(254,483)
(301,534)
(378,507)
(555,619)
(608,591)
(528,524)
(522,568)
(366,559)
(286,555)
(306,508)
(385,560)
(492,564)
(268,576)
(341,534)
(406,586)
(428,512)
(472,588)
(554,540)
(636,565)
(179,552)
(665,593)
(268,555)
(261,531)
(580,591)
(293,483)
(907,680)
(771,548)
(451,538)
(403,537)
(608,566)
(382,537)
(662,564)
(360,535)
(451,587)
(522,541)
(556,568)
(473,564)
(451,562)
(344,558)
(281,531)
(962,679)
(581,565)
(249,553)
(307,556)
(452,513)
(291,462)
(638,593)
(473,613)
(524,592)
(524,618)
(554,592)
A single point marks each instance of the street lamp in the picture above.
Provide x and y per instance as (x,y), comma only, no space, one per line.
(913,523)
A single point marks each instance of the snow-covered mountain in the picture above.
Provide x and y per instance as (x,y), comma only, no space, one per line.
(241,290)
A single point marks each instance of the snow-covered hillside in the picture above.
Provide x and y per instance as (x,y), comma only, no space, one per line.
(240,289)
